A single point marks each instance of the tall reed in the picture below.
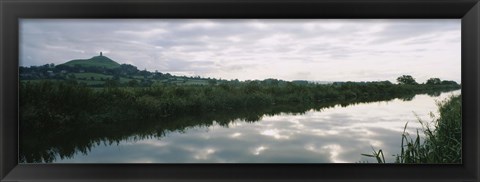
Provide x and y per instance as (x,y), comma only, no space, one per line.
(442,142)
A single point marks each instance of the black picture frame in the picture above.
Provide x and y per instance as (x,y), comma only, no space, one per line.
(11,11)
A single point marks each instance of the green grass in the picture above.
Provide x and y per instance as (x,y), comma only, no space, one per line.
(126,80)
(96,76)
(138,77)
(91,82)
(40,81)
(442,142)
(377,155)
(196,82)
(96,61)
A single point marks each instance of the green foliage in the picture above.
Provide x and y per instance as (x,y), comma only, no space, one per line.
(442,143)
(96,61)
(51,112)
(448,82)
(377,155)
(96,76)
(433,81)
(112,83)
(132,83)
(407,80)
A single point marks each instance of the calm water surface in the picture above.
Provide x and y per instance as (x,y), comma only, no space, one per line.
(332,135)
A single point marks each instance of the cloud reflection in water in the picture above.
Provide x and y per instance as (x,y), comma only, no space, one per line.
(338,135)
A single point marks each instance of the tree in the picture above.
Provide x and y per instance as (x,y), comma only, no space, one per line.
(406,80)
(116,77)
(449,82)
(112,83)
(144,73)
(132,83)
(72,76)
(433,81)
(128,69)
(212,82)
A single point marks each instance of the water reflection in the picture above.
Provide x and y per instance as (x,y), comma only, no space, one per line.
(324,133)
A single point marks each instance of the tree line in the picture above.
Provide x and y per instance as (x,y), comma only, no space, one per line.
(65,72)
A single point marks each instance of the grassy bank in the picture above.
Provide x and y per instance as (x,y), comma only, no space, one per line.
(442,142)
(61,101)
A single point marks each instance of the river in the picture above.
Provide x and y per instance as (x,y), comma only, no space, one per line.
(338,134)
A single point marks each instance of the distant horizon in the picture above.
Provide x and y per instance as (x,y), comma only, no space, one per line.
(315,81)
(311,50)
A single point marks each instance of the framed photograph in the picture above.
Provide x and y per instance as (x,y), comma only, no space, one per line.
(239,91)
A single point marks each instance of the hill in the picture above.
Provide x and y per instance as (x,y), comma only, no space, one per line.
(96,61)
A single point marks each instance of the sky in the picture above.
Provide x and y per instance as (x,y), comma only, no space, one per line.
(249,49)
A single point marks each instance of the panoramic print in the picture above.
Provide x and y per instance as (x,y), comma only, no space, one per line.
(240,91)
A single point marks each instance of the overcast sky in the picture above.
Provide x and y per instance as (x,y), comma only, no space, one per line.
(322,50)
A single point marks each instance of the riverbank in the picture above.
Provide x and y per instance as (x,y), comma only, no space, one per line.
(60,102)
(442,142)
(49,110)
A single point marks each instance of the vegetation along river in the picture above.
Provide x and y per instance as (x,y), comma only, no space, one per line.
(337,133)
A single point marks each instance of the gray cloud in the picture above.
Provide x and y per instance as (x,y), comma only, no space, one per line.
(253,49)
(404,29)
